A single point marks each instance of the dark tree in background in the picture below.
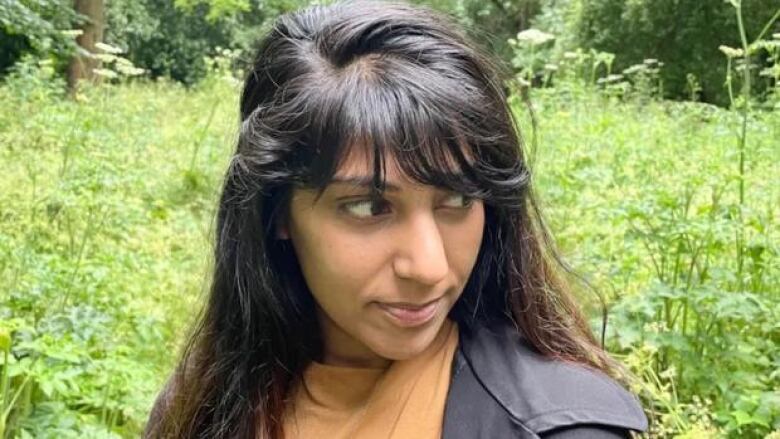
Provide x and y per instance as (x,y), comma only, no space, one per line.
(83,64)
(171,38)
(491,22)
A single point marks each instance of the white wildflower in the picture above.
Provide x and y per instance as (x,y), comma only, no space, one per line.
(107,48)
(730,51)
(72,32)
(534,37)
(110,74)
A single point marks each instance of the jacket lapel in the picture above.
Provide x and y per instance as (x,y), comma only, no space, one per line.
(501,387)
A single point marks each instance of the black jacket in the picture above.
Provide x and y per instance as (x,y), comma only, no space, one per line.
(501,388)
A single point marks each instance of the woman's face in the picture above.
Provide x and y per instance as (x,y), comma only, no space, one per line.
(384,272)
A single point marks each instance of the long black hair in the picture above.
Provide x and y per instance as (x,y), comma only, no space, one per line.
(405,83)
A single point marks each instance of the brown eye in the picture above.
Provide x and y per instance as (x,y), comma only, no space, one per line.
(365,209)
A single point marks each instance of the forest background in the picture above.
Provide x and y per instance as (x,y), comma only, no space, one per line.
(653,128)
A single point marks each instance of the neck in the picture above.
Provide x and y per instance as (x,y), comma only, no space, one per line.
(340,349)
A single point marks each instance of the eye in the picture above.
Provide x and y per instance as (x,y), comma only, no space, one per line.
(367,208)
(458,201)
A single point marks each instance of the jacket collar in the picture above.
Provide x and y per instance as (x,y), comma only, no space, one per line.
(540,393)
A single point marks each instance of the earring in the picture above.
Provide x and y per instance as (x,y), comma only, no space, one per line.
(282,234)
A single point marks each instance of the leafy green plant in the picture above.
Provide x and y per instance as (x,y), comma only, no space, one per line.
(745,55)
(527,57)
(99,235)
(654,189)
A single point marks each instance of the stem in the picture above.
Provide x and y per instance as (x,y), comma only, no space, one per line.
(677,262)
(89,232)
(68,139)
(746,106)
(202,136)
(525,96)
(10,407)
(768,25)
(681,363)
(668,313)
(104,411)
(742,140)
(649,249)
(4,384)
(729,86)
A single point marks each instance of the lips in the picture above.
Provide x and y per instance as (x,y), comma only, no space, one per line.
(410,315)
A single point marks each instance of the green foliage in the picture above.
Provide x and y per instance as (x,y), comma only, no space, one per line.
(173,38)
(655,188)
(530,52)
(107,199)
(105,205)
(217,8)
(164,39)
(683,35)
(37,27)
(491,23)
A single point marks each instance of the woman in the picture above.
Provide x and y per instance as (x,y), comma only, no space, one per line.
(381,268)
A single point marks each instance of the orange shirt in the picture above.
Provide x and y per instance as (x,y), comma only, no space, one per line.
(402,401)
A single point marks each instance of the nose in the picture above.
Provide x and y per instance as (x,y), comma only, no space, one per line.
(421,254)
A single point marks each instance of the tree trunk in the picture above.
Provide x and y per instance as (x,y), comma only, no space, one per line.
(82,64)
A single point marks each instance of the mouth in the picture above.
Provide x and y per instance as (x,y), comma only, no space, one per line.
(409,315)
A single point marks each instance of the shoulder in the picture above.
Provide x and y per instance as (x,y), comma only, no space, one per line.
(542,394)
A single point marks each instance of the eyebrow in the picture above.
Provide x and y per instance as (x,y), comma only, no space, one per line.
(364,181)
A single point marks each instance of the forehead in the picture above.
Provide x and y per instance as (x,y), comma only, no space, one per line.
(359,162)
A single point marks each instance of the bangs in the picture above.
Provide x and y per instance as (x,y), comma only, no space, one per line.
(385,107)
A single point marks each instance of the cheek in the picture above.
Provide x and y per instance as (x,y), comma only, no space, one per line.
(336,265)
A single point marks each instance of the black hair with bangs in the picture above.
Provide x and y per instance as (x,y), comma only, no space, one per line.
(403,83)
